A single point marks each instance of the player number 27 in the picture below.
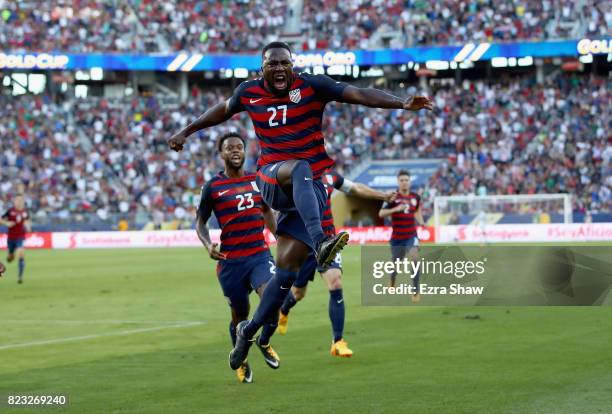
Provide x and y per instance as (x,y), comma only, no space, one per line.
(245,201)
(274,110)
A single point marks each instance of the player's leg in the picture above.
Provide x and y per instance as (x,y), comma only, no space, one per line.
(11,246)
(398,251)
(291,254)
(2,269)
(235,288)
(260,276)
(333,279)
(413,255)
(298,291)
(309,197)
(20,254)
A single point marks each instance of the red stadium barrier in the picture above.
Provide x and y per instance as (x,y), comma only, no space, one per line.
(32,241)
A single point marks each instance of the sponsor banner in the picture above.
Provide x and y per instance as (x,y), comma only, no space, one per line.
(189,238)
(32,241)
(184,62)
(129,239)
(578,232)
(365,235)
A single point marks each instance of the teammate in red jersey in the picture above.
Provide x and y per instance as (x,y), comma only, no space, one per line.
(405,212)
(17,220)
(287,110)
(245,262)
(332,273)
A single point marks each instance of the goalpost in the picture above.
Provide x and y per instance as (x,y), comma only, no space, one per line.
(509,209)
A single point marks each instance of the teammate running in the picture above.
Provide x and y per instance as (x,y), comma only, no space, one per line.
(404,210)
(18,222)
(287,112)
(331,274)
(245,262)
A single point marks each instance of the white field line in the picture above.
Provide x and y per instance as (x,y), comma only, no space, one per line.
(102,335)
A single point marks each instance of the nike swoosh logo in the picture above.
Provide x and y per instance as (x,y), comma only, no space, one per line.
(283,288)
(340,301)
(307,179)
(255,100)
(272,362)
(222,192)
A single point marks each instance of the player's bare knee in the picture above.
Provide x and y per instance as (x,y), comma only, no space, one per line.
(298,293)
(333,278)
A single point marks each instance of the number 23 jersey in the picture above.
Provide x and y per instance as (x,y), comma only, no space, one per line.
(237,204)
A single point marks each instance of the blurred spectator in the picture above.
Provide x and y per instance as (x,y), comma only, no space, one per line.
(215,26)
(109,157)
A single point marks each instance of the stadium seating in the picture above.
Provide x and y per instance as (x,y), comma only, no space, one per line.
(241,26)
(109,157)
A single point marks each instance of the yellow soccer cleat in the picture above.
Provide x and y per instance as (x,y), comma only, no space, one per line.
(340,349)
(269,354)
(244,373)
(283,321)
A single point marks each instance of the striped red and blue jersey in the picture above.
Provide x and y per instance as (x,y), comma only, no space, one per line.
(19,217)
(289,127)
(332,180)
(237,205)
(403,222)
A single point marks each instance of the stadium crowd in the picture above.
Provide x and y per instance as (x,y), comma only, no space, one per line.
(102,156)
(238,26)
(351,23)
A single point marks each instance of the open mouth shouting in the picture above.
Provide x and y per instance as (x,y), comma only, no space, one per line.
(280,81)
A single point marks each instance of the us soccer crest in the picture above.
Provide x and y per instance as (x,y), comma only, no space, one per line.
(295,96)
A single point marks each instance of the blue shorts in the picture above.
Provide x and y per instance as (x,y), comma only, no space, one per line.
(13,245)
(307,271)
(238,278)
(289,221)
(399,248)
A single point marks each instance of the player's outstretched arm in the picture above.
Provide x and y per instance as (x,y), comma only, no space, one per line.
(375,98)
(214,116)
(363,191)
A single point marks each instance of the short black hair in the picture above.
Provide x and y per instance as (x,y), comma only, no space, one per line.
(403,172)
(275,45)
(228,135)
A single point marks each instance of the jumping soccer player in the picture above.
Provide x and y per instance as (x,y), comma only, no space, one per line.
(18,222)
(331,274)
(245,262)
(404,210)
(287,113)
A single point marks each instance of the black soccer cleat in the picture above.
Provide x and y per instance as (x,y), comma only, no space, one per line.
(269,354)
(241,350)
(327,249)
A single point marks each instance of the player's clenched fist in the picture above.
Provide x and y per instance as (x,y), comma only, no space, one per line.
(414,103)
(214,253)
(390,196)
(177,141)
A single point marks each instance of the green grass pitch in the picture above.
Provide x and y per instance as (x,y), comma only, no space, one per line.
(145,331)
